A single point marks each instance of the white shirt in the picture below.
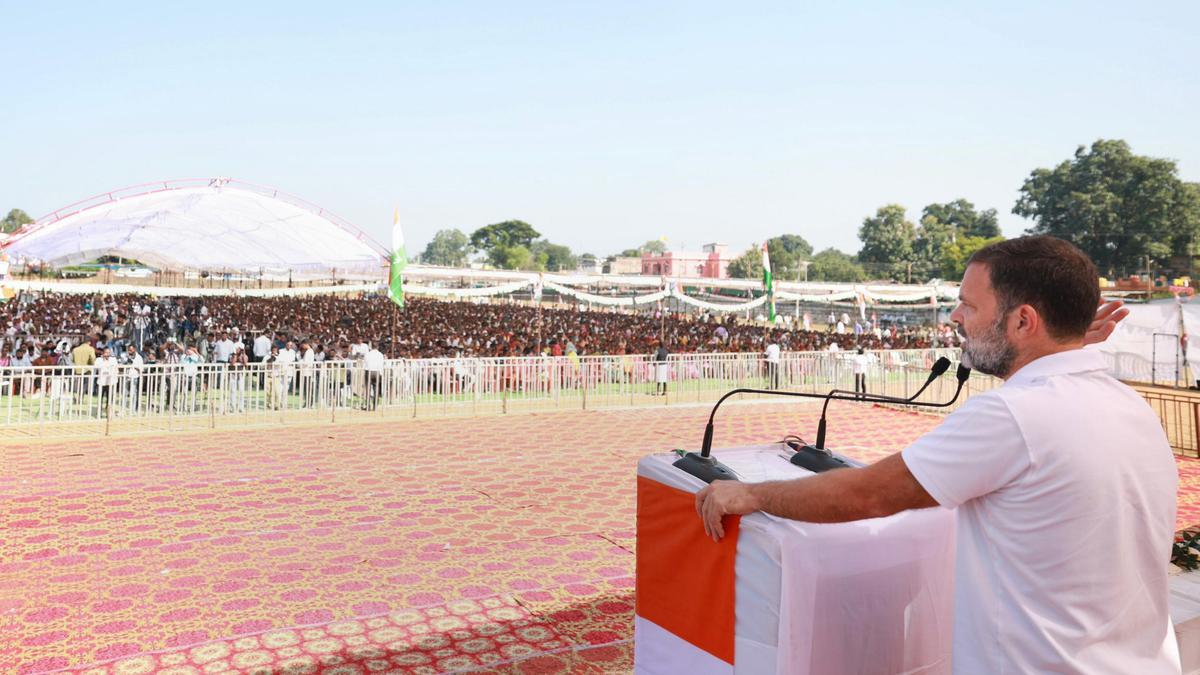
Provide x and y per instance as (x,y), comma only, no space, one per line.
(286,358)
(106,371)
(773,353)
(861,363)
(223,350)
(1065,487)
(262,346)
(373,361)
(134,365)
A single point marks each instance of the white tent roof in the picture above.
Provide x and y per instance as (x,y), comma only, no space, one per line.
(217,224)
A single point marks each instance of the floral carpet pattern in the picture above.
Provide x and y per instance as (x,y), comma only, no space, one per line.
(498,544)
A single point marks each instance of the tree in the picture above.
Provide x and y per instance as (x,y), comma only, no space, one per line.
(507,233)
(791,243)
(1120,208)
(552,257)
(499,241)
(512,258)
(887,242)
(654,246)
(630,253)
(956,254)
(448,247)
(961,214)
(748,265)
(833,265)
(933,236)
(787,251)
(14,221)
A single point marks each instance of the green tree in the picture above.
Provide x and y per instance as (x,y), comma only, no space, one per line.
(512,258)
(630,253)
(933,236)
(956,254)
(499,240)
(887,242)
(961,214)
(833,265)
(448,247)
(792,243)
(14,221)
(1117,206)
(787,251)
(507,233)
(748,265)
(553,257)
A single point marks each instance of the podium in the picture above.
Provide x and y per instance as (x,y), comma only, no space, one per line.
(780,596)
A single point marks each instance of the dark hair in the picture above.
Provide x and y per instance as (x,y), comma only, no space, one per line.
(1049,274)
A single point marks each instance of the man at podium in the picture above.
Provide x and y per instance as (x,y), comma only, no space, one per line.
(1063,480)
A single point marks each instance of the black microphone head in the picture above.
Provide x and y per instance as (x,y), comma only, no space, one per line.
(963,373)
(940,366)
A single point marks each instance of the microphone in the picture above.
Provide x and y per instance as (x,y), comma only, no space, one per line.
(939,367)
(705,467)
(817,459)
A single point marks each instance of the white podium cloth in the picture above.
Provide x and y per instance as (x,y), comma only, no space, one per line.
(873,596)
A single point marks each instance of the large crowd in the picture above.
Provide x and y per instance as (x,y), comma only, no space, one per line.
(46,329)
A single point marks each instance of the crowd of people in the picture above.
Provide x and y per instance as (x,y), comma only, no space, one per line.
(47,329)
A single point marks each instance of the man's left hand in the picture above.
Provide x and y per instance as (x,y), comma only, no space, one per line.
(1108,315)
(723,497)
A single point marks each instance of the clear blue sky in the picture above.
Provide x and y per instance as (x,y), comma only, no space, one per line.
(602,124)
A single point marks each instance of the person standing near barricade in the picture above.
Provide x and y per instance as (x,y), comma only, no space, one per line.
(273,379)
(773,356)
(662,369)
(308,366)
(238,364)
(861,363)
(133,378)
(262,347)
(106,379)
(373,364)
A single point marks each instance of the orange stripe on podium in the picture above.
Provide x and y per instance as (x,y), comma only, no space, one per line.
(685,580)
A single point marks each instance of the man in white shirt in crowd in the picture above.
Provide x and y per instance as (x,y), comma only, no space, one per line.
(223,349)
(1063,479)
(772,356)
(308,372)
(373,363)
(286,361)
(862,362)
(262,347)
(106,377)
(133,373)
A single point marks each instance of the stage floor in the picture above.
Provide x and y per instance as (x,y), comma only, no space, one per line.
(502,544)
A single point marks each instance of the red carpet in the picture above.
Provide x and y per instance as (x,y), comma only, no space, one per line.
(502,544)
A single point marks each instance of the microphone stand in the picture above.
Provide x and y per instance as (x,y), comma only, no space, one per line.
(817,459)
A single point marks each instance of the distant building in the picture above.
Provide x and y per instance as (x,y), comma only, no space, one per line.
(623,265)
(588,265)
(712,263)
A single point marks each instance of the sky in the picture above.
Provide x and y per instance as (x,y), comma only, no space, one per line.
(601,124)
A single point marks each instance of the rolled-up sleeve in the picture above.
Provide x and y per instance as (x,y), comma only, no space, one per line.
(978,449)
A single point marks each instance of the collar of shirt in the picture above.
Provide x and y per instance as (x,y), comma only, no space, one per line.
(1062,363)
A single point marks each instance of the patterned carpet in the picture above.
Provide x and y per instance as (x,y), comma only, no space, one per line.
(501,545)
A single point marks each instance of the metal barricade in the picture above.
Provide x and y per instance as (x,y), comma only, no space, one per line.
(68,400)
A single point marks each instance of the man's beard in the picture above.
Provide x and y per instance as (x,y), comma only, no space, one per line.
(990,352)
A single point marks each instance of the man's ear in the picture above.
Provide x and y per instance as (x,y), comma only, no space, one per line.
(1024,320)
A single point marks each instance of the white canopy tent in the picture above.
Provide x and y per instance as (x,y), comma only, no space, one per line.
(211,224)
